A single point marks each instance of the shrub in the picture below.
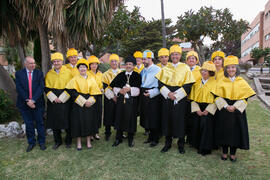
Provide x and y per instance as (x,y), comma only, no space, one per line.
(6,107)
(245,66)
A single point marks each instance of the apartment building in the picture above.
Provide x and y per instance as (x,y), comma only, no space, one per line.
(258,36)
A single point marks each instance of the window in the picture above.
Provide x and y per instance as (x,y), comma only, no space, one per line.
(251,33)
(267,36)
(247,51)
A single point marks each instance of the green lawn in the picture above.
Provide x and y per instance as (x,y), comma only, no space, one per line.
(141,161)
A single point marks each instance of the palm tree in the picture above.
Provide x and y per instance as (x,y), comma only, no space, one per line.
(69,22)
(12,29)
(86,20)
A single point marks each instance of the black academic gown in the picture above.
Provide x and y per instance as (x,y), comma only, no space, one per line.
(173,116)
(126,108)
(150,111)
(202,129)
(109,110)
(83,119)
(57,113)
(231,128)
(98,109)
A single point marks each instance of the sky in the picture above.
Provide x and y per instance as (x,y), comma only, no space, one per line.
(241,9)
(245,9)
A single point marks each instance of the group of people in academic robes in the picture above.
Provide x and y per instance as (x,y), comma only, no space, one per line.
(202,106)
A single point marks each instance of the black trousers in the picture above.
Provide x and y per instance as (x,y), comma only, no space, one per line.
(226,148)
(180,142)
(119,135)
(58,138)
(108,130)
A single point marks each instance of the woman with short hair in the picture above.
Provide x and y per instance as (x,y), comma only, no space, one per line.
(231,127)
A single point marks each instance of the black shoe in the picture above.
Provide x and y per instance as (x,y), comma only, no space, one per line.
(56,146)
(205,152)
(79,149)
(42,147)
(181,150)
(153,144)
(181,145)
(166,148)
(68,146)
(147,141)
(30,147)
(223,158)
(130,143)
(146,132)
(233,160)
(117,142)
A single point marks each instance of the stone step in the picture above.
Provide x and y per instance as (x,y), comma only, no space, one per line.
(267,93)
(265,86)
(264,80)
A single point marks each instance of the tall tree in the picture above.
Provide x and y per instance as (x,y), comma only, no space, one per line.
(12,29)
(148,37)
(86,21)
(209,22)
(67,22)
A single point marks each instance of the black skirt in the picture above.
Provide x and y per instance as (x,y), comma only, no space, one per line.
(150,114)
(126,114)
(83,119)
(58,114)
(202,130)
(231,128)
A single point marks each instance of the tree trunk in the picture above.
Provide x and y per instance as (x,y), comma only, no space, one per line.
(60,45)
(45,48)
(198,47)
(7,84)
(84,53)
(21,53)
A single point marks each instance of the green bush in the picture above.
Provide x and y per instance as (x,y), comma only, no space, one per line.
(6,107)
(103,67)
(245,66)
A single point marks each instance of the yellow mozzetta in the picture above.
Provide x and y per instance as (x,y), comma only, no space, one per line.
(239,89)
(219,74)
(74,70)
(201,93)
(138,70)
(176,76)
(108,76)
(196,73)
(98,78)
(59,80)
(84,86)
(161,66)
